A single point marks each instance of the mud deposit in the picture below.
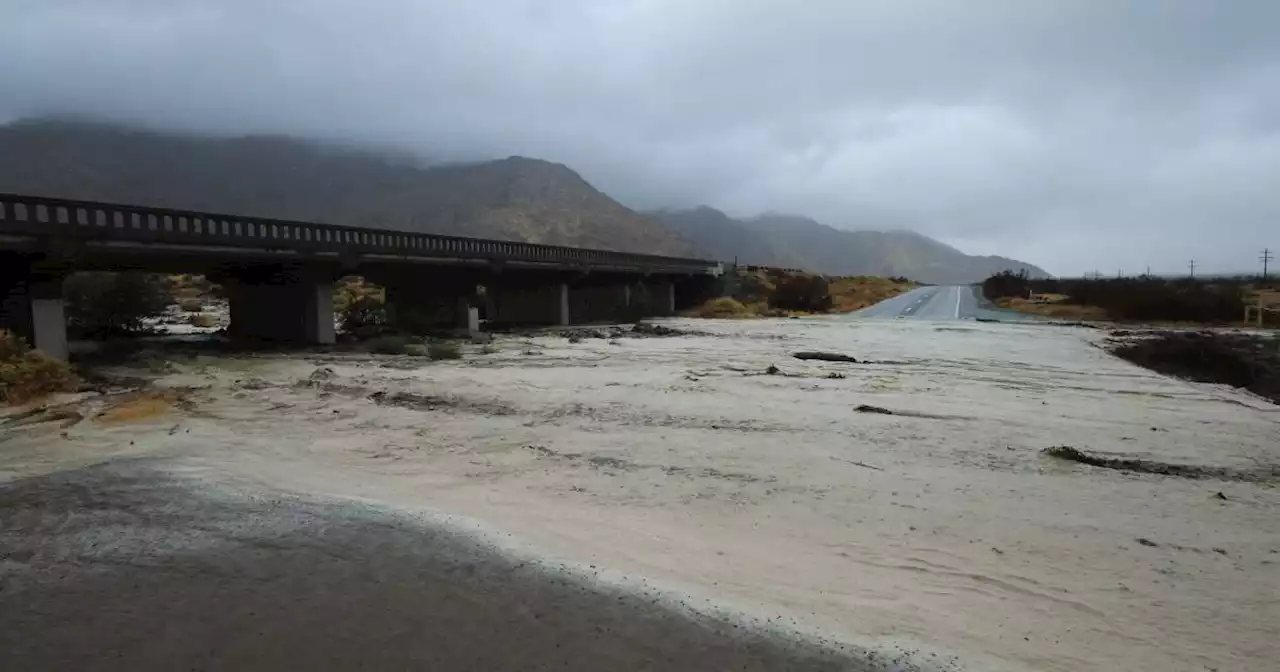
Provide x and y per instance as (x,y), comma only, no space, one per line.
(649,503)
(1247,361)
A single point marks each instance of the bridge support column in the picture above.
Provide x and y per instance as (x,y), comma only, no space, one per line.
(31,306)
(35,312)
(663,298)
(542,304)
(282,308)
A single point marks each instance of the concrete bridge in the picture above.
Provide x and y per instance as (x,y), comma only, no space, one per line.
(279,274)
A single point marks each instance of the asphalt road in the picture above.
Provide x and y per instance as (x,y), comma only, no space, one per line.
(955,302)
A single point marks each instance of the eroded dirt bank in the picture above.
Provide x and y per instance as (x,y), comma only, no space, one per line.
(938,528)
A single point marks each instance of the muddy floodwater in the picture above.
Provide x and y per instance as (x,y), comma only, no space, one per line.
(931,533)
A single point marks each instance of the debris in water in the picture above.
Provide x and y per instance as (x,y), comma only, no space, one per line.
(858,464)
(1261,474)
(772,370)
(1147,542)
(866,408)
(825,356)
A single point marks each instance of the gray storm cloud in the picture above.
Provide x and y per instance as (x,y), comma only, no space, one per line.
(1076,135)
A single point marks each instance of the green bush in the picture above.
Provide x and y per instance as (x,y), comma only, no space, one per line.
(27,374)
(105,304)
(809,293)
(365,315)
(1141,298)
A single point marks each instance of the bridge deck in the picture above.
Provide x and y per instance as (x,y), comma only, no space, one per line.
(67,219)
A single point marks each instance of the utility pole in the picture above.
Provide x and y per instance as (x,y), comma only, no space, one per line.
(1265,259)
(1192,265)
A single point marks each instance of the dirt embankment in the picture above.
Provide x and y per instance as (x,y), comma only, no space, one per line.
(1057,306)
(1247,361)
(759,292)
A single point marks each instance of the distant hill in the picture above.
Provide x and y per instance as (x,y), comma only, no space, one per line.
(513,199)
(799,242)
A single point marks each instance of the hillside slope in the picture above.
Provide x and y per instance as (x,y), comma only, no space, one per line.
(514,199)
(799,242)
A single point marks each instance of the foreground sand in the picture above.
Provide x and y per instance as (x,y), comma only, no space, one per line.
(938,537)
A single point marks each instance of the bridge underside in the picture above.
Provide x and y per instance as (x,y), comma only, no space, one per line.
(292,302)
(279,274)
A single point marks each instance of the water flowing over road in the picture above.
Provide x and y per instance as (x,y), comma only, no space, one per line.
(954,302)
(713,471)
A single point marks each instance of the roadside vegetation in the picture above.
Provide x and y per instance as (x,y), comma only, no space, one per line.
(767,292)
(28,375)
(859,291)
(101,305)
(1138,299)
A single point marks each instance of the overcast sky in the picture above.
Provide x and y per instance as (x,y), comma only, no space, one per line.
(1075,134)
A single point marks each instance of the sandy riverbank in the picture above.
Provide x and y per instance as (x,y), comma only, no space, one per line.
(940,530)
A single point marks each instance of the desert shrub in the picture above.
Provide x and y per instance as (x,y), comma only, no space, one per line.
(203,320)
(438,350)
(1006,283)
(1140,298)
(364,315)
(104,304)
(722,307)
(191,305)
(353,288)
(27,374)
(751,286)
(809,293)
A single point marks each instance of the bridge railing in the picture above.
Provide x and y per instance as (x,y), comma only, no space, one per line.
(90,220)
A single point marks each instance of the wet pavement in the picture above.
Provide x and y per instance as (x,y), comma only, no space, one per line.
(954,302)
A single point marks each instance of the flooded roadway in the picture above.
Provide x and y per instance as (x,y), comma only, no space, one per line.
(948,302)
(678,465)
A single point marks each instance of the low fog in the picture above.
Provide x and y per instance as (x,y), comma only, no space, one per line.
(1074,135)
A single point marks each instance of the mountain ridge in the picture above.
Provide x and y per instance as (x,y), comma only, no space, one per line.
(516,198)
(796,241)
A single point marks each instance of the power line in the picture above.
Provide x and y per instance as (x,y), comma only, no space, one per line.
(1265,259)
(1192,265)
